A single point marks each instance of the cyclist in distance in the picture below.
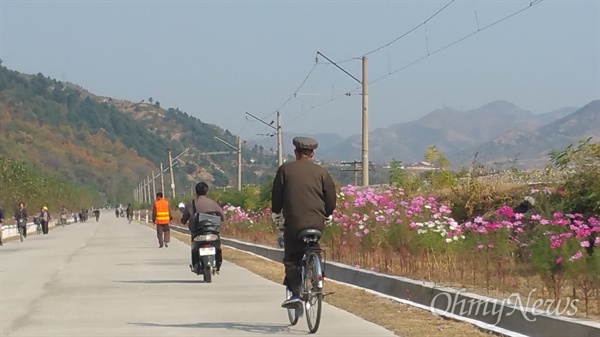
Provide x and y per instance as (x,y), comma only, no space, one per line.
(21,217)
(305,193)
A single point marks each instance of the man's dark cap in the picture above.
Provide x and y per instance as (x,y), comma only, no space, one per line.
(305,143)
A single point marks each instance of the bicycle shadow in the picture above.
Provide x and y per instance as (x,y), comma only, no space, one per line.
(271,329)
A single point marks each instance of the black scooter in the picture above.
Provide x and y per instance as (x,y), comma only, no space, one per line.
(206,234)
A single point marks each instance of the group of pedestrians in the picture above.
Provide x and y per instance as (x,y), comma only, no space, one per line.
(42,218)
(81,216)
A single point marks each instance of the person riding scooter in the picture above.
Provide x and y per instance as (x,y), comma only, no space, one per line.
(202,204)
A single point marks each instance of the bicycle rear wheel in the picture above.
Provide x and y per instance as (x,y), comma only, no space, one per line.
(292,313)
(314,295)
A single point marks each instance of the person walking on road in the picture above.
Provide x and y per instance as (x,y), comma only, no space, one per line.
(21,218)
(63,215)
(45,219)
(305,193)
(1,220)
(161,217)
(129,212)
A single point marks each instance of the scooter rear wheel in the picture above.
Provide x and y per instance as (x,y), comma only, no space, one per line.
(208,274)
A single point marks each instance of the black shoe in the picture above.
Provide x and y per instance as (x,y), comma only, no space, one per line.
(166,244)
(292,302)
(160,246)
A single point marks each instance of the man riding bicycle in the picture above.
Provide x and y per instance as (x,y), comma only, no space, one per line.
(21,218)
(306,194)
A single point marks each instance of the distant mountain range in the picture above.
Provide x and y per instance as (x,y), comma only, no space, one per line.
(459,134)
(531,147)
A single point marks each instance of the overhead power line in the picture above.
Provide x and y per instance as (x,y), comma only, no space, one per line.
(295,91)
(403,35)
(531,4)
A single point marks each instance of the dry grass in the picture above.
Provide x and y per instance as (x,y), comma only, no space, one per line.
(402,319)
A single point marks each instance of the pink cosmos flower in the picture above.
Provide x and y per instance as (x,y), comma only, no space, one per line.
(576,256)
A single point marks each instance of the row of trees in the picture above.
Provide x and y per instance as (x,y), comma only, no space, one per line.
(20,182)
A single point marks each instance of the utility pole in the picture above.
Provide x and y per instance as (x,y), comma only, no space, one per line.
(162,179)
(365,121)
(150,196)
(239,158)
(171,168)
(365,125)
(278,130)
(356,168)
(171,172)
(153,184)
(279,140)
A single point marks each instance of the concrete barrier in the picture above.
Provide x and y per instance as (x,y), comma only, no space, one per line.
(9,231)
(512,314)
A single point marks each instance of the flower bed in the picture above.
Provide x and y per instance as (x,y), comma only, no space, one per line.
(539,254)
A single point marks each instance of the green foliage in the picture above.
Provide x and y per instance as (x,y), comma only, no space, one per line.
(399,177)
(442,177)
(582,185)
(264,195)
(22,183)
(247,198)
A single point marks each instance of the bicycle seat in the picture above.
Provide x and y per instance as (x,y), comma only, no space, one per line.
(310,232)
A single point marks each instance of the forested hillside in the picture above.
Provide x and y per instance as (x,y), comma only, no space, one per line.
(108,144)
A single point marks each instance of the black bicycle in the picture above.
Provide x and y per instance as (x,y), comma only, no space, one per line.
(311,288)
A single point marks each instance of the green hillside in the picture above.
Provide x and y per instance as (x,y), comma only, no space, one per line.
(109,144)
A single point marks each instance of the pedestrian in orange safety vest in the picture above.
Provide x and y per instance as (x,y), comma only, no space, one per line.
(161,216)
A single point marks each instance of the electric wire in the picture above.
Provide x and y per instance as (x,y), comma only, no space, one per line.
(531,4)
(295,92)
(312,107)
(403,35)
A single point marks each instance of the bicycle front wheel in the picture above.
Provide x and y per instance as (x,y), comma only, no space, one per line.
(314,295)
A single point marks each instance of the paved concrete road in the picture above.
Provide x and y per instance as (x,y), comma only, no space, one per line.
(109,278)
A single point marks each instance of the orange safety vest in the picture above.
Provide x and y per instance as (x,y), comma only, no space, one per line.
(161,207)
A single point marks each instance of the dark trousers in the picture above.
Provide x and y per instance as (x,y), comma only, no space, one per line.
(292,257)
(44,226)
(163,232)
(195,246)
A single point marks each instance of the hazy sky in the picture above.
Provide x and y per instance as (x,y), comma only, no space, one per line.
(218,59)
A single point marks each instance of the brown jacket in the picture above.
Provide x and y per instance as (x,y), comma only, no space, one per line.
(203,205)
(305,192)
